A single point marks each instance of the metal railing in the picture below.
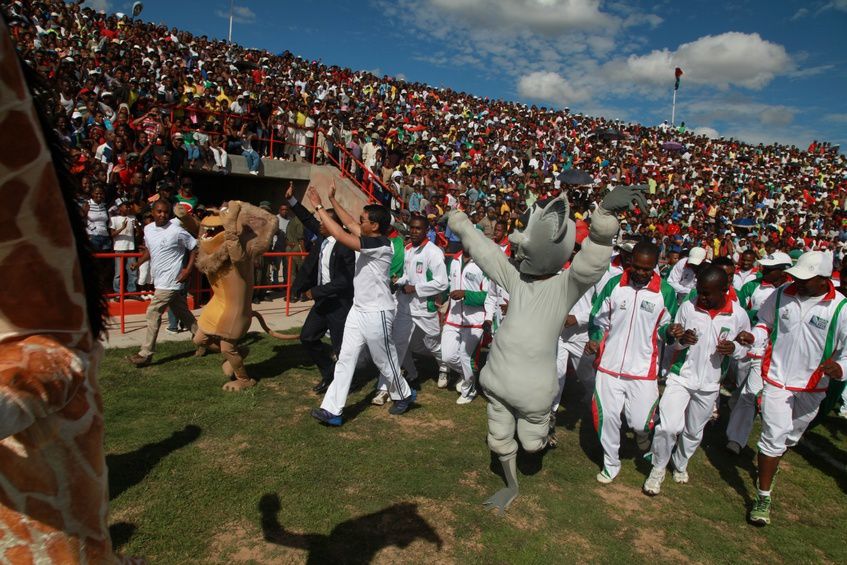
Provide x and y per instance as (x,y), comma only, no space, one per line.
(195,283)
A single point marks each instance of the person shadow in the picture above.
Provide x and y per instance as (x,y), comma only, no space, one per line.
(353,541)
(738,471)
(129,469)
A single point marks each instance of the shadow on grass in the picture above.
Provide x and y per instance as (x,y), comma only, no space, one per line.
(172,358)
(823,455)
(738,471)
(354,541)
(121,532)
(129,469)
(577,410)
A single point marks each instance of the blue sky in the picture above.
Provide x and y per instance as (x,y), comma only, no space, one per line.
(757,70)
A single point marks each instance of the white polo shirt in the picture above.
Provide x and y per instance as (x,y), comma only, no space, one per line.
(167,246)
(371,290)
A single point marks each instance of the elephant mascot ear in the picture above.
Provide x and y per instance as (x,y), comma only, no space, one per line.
(547,240)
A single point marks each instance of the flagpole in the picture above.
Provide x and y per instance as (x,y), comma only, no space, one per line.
(673,107)
(229,37)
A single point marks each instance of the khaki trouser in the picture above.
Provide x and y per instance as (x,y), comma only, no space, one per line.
(165,299)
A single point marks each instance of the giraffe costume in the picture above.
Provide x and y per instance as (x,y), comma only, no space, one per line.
(53,481)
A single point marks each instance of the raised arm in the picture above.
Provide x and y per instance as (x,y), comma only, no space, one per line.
(346,239)
(485,252)
(593,259)
(346,218)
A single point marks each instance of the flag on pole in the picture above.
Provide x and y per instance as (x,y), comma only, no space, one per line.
(677,73)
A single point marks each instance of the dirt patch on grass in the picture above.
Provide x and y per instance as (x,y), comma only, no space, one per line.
(526,513)
(623,500)
(226,454)
(241,543)
(416,423)
(470,480)
(577,544)
(650,542)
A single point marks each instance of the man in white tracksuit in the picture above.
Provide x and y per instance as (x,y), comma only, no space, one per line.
(574,336)
(470,292)
(633,310)
(683,276)
(751,297)
(416,324)
(806,332)
(704,329)
(370,320)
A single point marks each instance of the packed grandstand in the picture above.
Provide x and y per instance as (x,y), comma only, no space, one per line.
(139,104)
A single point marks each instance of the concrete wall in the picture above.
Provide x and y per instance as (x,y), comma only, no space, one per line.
(272,182)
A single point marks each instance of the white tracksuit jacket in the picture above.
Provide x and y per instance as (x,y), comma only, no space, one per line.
(801,335)
(470,312)
(424,268)
(633,319)
(698,367)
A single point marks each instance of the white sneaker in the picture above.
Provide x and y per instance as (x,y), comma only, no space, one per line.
(680,477)
(380,398)
(642,441)
(442,379)
(465,399)
(459,386)
(653,484)
(254,173)
(734,447)
(604,478)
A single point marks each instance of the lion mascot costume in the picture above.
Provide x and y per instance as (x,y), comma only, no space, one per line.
(230,242)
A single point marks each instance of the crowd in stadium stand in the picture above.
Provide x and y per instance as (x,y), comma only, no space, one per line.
(139,105)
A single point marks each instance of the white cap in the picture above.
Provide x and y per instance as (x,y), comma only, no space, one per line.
(812,264)
(776,258)
(696,256)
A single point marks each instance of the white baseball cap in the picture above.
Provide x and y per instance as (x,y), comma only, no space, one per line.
(696,256)
(812,264)
(776,258)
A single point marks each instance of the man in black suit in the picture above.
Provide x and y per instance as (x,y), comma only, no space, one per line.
(327,278)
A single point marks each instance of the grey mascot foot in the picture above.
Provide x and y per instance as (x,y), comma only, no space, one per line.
(504,497)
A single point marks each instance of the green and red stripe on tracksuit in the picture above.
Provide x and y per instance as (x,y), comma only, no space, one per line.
(801,334)
(632,319)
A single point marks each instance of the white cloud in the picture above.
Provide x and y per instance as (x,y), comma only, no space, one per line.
(400,76)
(543,16)
(550,87)
(838,5)
(711,133)
(240,14)
(105,5)
(800,14)
(732,58)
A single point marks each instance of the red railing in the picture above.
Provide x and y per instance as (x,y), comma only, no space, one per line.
(196,283)
(369,178)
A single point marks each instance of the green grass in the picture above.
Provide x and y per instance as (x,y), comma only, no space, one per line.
(202,476)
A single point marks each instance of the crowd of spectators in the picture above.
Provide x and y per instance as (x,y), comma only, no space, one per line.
(140,106)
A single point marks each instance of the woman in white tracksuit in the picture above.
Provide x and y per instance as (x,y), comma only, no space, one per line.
(470,293)
(705,329)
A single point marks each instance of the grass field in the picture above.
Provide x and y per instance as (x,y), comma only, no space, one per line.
(202,476)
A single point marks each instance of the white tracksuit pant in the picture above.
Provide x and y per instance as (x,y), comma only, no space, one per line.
(613,395)
(744,411)
(419,334)
(785,416)
(371,330)
(683,415)
(458,347)
(583,366)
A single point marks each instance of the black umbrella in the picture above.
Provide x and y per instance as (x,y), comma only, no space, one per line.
(608,134)
(575,176)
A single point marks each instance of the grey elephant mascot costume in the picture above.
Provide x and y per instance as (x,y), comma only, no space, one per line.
(519,378)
